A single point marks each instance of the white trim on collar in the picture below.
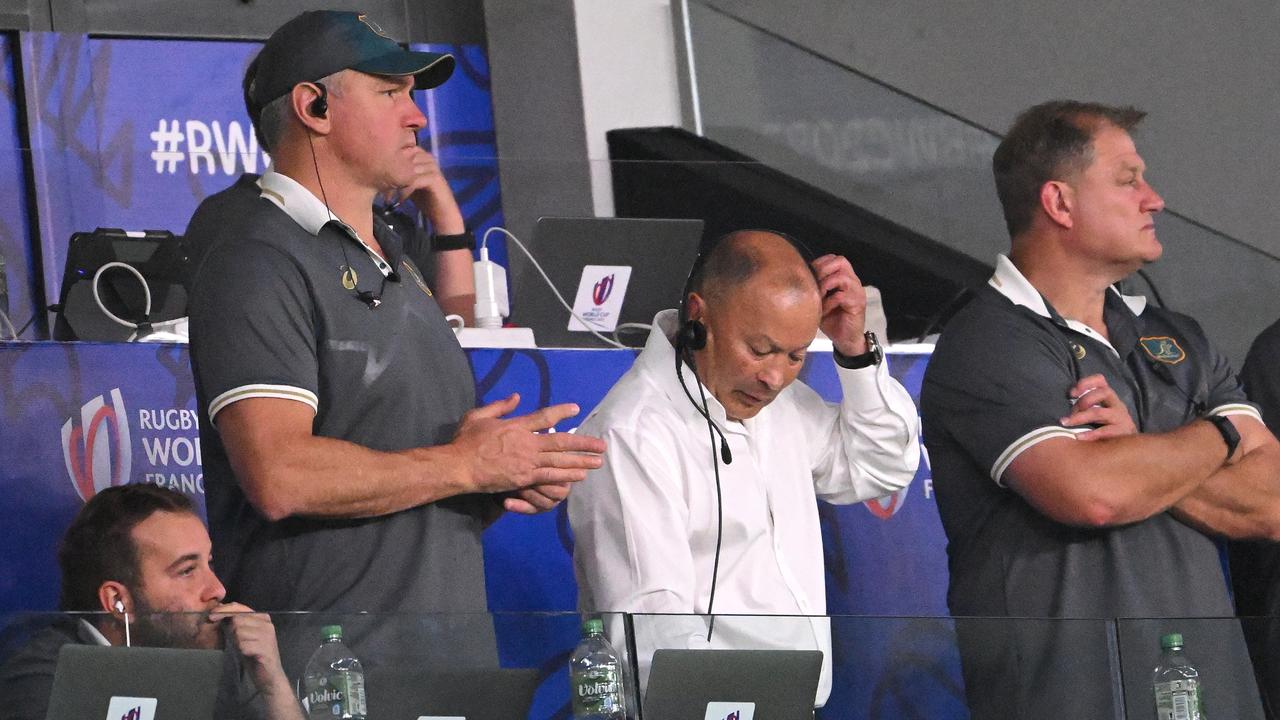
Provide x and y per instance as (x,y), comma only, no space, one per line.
(311,214)
(1010,282)
(1136,303)
(296,201)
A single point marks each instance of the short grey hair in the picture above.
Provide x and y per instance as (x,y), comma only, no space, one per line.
(271,121)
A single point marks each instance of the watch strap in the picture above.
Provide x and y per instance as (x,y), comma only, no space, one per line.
(1230,435)
(873,356)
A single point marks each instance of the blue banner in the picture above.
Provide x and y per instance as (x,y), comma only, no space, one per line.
(131,133)
(134,133)
(460,118)
(77,417)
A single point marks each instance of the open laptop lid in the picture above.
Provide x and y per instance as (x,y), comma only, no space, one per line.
(119,683)
(614,270)
(732,684)
(474,694)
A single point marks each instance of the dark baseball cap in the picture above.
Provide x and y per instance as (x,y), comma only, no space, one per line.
(318,43)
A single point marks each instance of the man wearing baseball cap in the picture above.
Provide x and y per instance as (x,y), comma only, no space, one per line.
(346,467)
(319,43)
(440,245)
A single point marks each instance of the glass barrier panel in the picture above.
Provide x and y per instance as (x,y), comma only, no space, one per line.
(518,664)
(881,667)
(918,166)
(1222,673)
(918,231)
(411,665)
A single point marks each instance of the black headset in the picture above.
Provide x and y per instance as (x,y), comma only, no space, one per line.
(320,106)
(691,336)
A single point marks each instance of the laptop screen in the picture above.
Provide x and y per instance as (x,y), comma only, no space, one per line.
(137,683)
(613,270)
(732,685)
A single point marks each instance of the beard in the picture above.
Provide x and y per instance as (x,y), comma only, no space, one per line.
(190,630)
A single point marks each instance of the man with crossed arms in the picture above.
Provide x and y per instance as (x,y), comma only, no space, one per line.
(1087,448)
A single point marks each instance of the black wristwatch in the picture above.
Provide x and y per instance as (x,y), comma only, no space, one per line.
(461,241)
(873,356)
(1230,435)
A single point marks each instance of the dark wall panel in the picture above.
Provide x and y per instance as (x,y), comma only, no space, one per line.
(24,14)
(209,18)
(449,21)
(537,110)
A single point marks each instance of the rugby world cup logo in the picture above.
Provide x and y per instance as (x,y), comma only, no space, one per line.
(886,507)
(602,290)
(889,505)
(96,449)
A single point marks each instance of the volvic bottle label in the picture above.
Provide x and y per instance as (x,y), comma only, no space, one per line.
(338,696)
(325,701)
(597,691)
(355,694)
(1178,700)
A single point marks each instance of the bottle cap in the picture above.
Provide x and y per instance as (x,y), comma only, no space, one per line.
(594,626)
(1170,641)
(331,631)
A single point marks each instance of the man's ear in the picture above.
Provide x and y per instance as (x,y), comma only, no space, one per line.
(695,307)
(1058,201)
(302,100)
(115,598)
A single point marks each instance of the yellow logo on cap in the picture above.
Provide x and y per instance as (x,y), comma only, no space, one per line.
(372,25)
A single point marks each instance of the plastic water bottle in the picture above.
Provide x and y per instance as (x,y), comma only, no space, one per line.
(595,677)
(334,680)
(1177,684)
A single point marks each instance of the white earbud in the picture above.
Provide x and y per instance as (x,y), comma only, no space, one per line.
(119,606)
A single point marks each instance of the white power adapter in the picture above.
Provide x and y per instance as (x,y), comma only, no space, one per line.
(492,302)
(169,331)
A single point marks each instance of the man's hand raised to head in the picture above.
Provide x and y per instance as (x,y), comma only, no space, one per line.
(431,193)
(513,455)
(844,304)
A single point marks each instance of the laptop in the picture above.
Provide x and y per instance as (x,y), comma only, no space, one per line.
(92,682)
(732,685)
(475,694)
(614,270)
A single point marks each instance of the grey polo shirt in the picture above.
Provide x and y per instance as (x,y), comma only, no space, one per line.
(271,317)
(996,385)
(208,221)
